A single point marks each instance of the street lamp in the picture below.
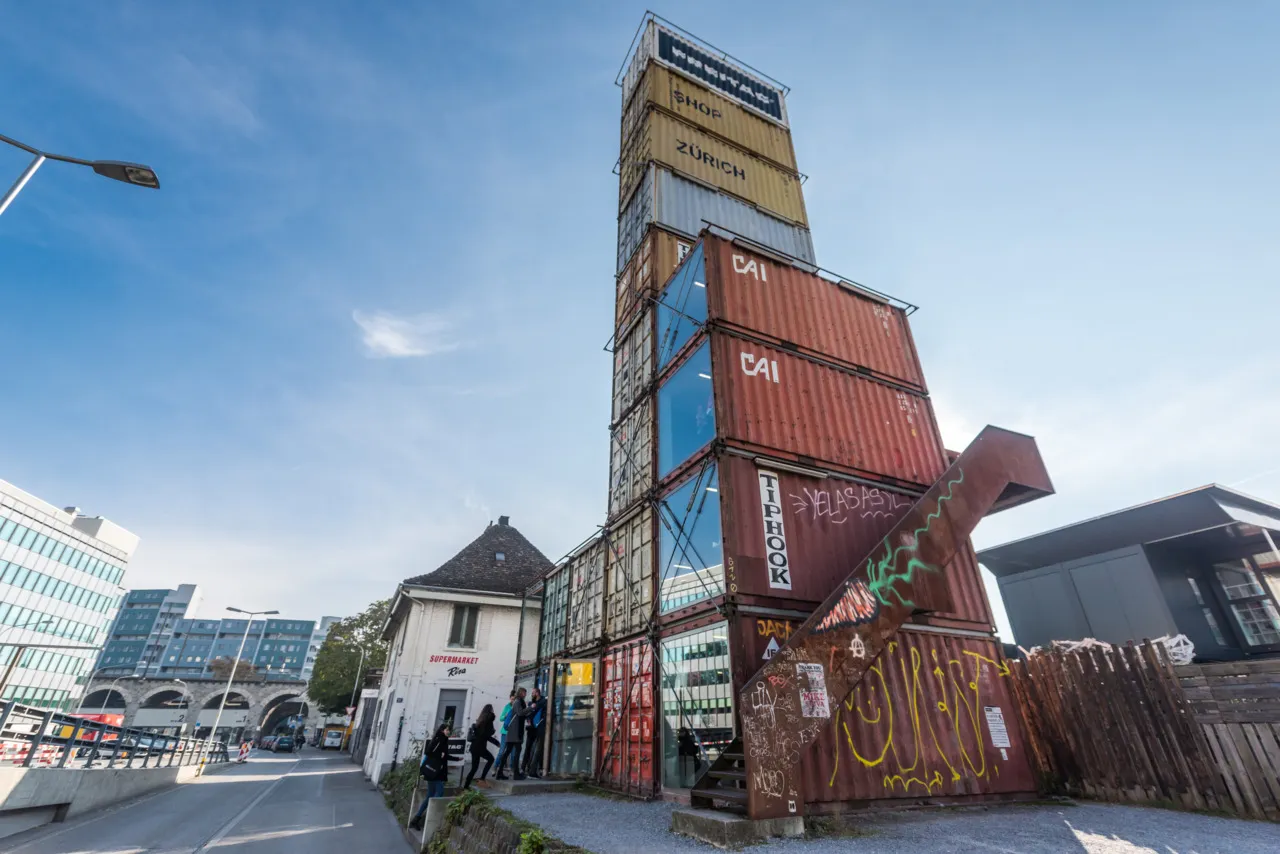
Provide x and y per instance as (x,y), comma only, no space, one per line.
(115,682)
(129,173)
(231,676)
(186,696)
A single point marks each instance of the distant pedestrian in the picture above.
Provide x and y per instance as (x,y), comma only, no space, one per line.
(434,768)
(502,722)
(514,722)
(535,726)
(481,736)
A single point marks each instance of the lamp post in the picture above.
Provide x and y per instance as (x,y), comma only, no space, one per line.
(204,751)
(115,682)
(186,696)
(129,173)
(356,687)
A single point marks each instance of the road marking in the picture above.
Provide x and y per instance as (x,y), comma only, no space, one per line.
(230,826)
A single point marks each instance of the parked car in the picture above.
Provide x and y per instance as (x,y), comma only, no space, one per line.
(282,744)
(267,742)
(332,738)
(129,745)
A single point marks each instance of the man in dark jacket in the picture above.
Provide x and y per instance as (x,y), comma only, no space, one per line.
(515,736)
(535,726)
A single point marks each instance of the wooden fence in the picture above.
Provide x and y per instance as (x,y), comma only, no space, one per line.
(1123,724)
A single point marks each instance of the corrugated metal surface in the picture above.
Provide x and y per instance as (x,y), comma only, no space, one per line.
(768,398)
(686,149)
(629,576)
(828,524)
(755,637)
(707,64)
(585,572)
(627,743)
(820,317)
(925,722)
(555,613)
(686,207)
(659,254)
(700,106)
(631,461)
(633,363)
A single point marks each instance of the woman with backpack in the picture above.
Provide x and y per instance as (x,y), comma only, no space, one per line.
(480,736)
(434,768)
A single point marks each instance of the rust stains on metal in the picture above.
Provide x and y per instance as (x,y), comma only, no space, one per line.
(768,398)
(629,575)
(788,305)
(656,257)
(793,698)
(585,572)
(626,752)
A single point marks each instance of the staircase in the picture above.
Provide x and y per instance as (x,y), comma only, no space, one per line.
(724,785)
(789,701)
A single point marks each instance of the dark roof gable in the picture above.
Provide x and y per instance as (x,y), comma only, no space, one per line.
(476,567)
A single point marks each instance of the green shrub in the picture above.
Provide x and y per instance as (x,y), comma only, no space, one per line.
(533,842)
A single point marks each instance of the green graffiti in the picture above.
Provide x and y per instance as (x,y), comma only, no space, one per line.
(882,580)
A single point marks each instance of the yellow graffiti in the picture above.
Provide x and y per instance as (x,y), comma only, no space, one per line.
(780,629)
(959,710)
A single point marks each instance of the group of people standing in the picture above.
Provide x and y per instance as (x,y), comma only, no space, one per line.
(521,723)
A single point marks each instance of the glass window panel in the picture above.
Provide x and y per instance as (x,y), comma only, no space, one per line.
(60,592)
(58,549)
(7,530)
(42,582)
(697,703)
(686,411)
(10,572)
(39,545)
(573,717)
(4,612)
(81,559)
(682,309)
(689,543)
(26,578)
(1258,620)
(1238,580)
(28,537)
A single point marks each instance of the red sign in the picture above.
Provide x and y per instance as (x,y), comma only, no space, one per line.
(454,659)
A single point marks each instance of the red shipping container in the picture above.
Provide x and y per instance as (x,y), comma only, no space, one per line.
(769,399)
(625,760)
(935,718)
(750,292)
(827,527)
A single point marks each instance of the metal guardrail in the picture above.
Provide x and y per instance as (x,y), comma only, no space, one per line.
(31,737)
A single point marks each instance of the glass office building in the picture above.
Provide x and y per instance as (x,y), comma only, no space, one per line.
(60,589)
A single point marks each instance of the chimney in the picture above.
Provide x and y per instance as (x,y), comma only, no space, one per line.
(74,511)
(504,520)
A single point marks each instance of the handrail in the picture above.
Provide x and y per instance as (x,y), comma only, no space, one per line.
(33,737)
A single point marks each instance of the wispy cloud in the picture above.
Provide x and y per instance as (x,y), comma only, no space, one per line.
(388,336)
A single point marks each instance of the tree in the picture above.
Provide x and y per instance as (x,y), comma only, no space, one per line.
(245,671)
(334,676)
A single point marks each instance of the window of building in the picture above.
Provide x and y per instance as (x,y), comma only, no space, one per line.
(463,630)
(1254,611)
(682,310)
(499,556)
(689,542)
(686,411)
(697,703)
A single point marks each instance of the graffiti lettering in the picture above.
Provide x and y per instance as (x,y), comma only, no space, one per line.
(769,781)
(841,504)
(742,264)
(781,629)
(762,704)
(856,606)
(857,648)
(753,367)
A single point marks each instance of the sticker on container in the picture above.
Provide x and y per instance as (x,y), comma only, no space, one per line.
(995,726)
(813,690)
(772,649)
(775,535)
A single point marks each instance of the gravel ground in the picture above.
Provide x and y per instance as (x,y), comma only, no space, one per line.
(619,827)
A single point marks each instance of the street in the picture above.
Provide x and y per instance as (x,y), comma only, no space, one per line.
(314,802)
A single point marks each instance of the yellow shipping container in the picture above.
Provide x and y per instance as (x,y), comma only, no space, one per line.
(686,149)
(700,106)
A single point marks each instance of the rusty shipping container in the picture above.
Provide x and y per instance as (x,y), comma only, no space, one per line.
(935,718)
(657,257)
(629,575)
(769,399)
(686,207)
(631,459)
(660,87)
(818,527)
(555,613)
(709,65)
(627,746)
(585,572)
(802,310)
(683,148)
(633,355)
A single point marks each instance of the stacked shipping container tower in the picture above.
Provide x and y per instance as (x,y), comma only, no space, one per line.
(770,423)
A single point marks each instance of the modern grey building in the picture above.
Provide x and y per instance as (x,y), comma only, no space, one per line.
(1202,563)
(60,588)
(143,628)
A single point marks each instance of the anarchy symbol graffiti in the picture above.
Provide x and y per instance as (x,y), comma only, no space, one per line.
(857,648)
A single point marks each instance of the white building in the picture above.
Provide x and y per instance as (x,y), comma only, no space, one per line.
(454,634)
(60,588)
(318,637)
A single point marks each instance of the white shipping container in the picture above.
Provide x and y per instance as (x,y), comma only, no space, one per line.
(686,207)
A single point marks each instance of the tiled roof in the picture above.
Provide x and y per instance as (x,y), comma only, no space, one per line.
(476,567)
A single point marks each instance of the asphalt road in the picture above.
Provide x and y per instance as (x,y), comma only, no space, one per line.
(315,802)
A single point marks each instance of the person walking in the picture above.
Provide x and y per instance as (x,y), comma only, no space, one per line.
(481,735)
(434,768)
(502,721)
(535,726)
(514,722)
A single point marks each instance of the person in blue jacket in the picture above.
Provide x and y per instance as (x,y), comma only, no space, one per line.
(535,726)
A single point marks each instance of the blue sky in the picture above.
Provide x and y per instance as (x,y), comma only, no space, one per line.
(365,314)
